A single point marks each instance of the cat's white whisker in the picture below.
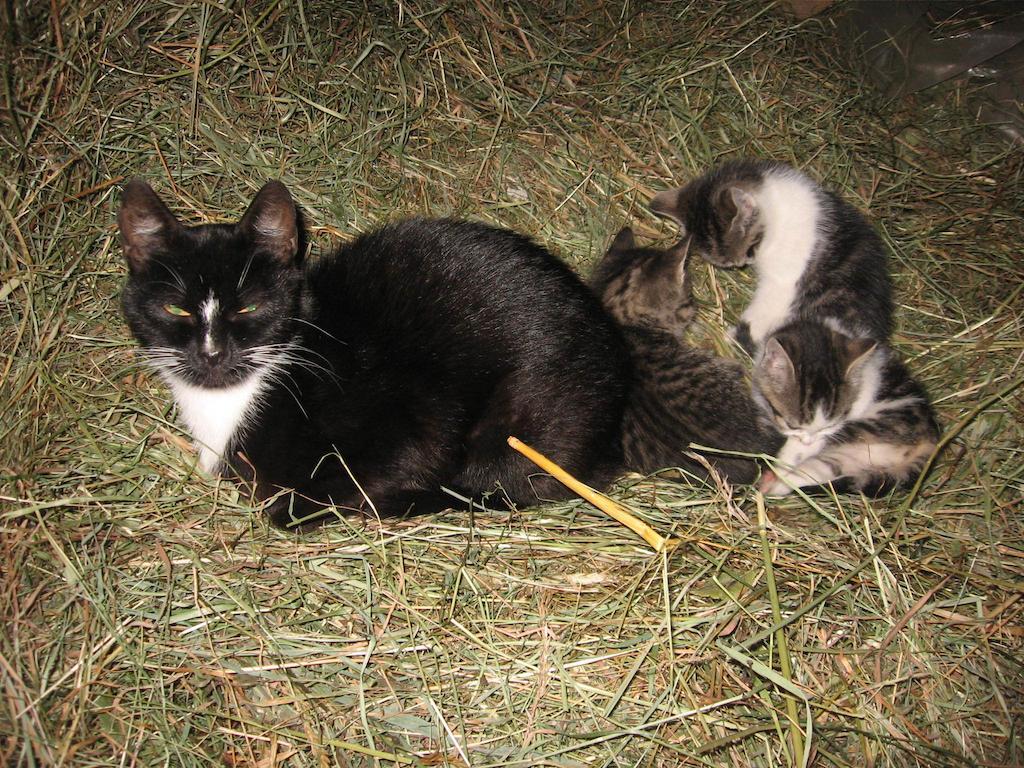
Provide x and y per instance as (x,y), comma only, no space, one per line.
(316,327)
(245,271)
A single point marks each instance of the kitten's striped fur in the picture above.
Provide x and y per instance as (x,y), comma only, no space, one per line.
(818,325)
(680,395)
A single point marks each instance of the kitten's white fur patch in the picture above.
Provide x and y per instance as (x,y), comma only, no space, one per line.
(216,416)
(865,404)
(791,213)
(858,460)
(803,443)
(796,451)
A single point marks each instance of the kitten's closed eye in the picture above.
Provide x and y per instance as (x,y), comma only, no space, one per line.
(781,420)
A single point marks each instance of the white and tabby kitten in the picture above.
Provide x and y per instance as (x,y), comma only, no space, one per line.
(853,416)
(815,254)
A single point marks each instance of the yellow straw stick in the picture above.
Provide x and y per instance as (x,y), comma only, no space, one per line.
(596,498)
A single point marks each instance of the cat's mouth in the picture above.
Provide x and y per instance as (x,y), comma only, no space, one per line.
(198,370)
(218,377)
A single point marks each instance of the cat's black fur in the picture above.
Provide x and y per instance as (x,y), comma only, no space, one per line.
(680,395)
(395,367)
(748,212)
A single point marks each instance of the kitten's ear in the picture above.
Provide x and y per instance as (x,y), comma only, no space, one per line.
(143,221)
(776,364)
(858,352)
(738,207)
(272,222)
(672,203)
(679,257)
(624,241)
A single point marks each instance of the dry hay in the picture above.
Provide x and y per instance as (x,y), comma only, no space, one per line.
(151,619)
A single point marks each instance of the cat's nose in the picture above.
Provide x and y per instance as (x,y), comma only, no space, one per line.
(212,355)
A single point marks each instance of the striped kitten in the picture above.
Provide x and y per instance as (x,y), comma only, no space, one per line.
(679,394)
(852,414)
(815,254)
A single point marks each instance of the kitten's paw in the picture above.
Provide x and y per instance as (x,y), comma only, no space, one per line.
(772,485)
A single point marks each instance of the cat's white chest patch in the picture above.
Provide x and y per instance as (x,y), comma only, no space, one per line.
(215,416)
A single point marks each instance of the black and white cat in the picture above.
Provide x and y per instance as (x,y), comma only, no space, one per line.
(679,394)
(853,416)
(376,376)
(815,254)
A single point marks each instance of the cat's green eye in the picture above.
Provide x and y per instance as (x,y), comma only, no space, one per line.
(247,309)
(174,309)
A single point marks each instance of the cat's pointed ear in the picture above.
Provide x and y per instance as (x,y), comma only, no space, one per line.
(776,363)
(143,221)
(738,207)
(271,221)
(858,353)
(679,257)
(624,241)
(673,204)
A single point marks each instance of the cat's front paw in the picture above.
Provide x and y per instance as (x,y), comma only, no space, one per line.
(292,512)
(772,485)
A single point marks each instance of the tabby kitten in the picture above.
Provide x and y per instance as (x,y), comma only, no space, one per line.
(852,414)
(376,376)
(815,254)
(679,394)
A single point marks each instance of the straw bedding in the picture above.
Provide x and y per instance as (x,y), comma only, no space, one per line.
(151,618)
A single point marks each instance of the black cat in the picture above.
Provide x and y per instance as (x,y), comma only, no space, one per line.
(374,377)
